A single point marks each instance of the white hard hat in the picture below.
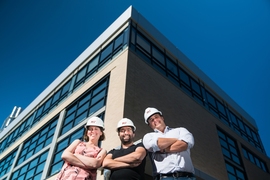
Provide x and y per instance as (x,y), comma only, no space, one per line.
(125,122)
(95,121)
(149,112)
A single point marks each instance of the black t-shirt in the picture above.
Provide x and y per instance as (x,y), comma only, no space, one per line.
(136,173)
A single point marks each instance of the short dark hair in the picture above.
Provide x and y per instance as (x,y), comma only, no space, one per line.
(118,129)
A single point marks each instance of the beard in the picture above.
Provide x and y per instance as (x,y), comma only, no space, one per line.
(125,140)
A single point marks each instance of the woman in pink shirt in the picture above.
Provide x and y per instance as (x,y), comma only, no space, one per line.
(83,158)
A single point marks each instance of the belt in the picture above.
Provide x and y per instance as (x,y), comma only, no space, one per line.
(175,174)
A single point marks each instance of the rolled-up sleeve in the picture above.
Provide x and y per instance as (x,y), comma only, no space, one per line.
(150,142)
(186,136)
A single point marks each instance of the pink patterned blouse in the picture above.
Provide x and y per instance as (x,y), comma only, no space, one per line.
(70,172)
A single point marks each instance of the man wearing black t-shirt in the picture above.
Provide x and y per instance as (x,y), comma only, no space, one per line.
(128,161)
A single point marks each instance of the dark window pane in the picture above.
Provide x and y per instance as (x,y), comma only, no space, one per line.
(40,167)
(211,99)
(158,55)
(92,64)
(33,163)
(30,173)
(226,153)
(67,128)
(43,157)
(47,141)
(195,86)
(143,43)
(230,141)
(230,168)
(106,52)
(235,159)
(62,145)
(56,96)
(57,167)
(251,158)
(77,135)
(98,96)
(232,177)
(23,169)
(118,41)
(65,89)
(83,108)
(39,111)
(37,176)
(69,118)
(248,130)
(241,125)
(257,162)
(80,118)
(184,77)
(97,106)
(47,104)
(221,108)
(99,88)
(245,153)
(15,174)
(223,143)
(233,118)
(133,36)
(172,67)
(81,74)
(255,136)
(240,174)
(71,110)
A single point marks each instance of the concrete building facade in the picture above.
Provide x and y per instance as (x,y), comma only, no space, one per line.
(129,67)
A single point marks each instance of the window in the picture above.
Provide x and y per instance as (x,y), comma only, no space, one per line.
(234,173)
(106,52)
(19,131)
(172,67)
(31,170)
(229,147)
(80,75)
(90,102)
(254,159)
(143,43)
(6,163)
(232,157)
(57,161)
(158,55)
(38,141)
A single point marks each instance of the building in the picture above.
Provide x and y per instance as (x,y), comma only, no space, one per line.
(129,67)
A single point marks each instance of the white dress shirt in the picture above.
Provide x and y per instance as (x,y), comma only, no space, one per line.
(170,162)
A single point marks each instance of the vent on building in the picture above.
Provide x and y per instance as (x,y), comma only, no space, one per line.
(15,112)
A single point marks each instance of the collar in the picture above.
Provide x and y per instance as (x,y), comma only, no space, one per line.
(165,130)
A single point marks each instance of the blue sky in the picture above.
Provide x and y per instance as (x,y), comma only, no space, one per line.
(228,40)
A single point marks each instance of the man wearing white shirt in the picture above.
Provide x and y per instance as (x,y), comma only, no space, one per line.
(169,148)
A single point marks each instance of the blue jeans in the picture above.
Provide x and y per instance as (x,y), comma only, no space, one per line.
(178,178)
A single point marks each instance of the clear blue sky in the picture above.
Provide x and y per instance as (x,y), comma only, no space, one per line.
(228,40)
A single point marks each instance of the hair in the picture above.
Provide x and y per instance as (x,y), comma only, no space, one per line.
(101,138)
(118,129)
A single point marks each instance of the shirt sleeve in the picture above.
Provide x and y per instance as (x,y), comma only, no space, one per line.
(150,142)
(186,136)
